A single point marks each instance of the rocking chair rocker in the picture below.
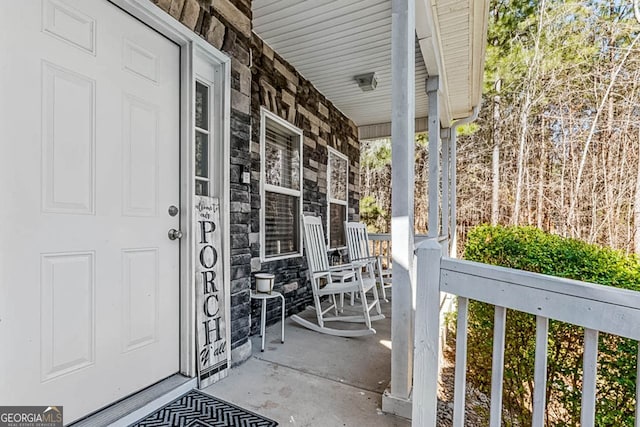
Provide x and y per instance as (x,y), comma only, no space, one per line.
(334,282)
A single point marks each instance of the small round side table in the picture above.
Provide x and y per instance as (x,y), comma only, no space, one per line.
(263,314)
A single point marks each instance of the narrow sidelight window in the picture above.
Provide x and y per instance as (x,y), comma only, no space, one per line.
(202,139)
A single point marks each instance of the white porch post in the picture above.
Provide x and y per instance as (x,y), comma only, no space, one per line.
(446,187)
(396,400)
(453,188)
(433,225)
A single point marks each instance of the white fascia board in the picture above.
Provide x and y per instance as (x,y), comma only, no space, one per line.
(479,26)
(428,32)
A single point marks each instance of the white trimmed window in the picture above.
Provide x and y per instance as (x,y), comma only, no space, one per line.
(281,189)
(337,197)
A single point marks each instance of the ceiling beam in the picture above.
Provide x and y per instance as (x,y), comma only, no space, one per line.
(383,130)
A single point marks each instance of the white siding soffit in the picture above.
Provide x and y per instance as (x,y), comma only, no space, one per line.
(331,41)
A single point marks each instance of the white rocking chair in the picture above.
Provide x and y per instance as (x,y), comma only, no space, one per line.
(334,282)
(358,248)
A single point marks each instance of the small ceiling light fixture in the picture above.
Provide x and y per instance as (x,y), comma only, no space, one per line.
(367,82)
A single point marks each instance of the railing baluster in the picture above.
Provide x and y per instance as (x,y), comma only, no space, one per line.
(540,376)
(497,366)
(590,370)
(385,251)
(460,386)
(637,423)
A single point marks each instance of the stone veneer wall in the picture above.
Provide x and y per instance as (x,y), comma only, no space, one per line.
(277,87)
(260,77)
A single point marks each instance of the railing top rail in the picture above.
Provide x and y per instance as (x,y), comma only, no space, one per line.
(379,236)
(387,236)
(585,304)
(586,290)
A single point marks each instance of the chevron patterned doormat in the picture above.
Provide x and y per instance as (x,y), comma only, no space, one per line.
(196,409)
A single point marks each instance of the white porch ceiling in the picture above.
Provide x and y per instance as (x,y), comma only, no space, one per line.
(331,41)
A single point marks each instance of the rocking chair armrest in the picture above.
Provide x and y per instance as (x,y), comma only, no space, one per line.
(342,275)
(363,262)
(342,272)
(341,267)
(319,274)
(365,259)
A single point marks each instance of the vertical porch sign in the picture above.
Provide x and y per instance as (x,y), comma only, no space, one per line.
(211,341)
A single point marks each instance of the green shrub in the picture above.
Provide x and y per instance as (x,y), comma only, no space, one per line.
(528,248)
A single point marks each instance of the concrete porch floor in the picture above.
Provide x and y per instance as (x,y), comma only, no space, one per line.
(315,379)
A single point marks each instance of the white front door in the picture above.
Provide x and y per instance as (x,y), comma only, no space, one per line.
(89,165)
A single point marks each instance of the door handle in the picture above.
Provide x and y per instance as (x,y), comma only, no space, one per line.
(174,234)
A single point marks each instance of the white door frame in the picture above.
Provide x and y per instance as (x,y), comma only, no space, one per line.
(190,46)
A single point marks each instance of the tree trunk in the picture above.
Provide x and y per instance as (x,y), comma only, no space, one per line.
(636,210)
(495,157)
(592,130)
(541,174)
(524,124)
(532,75)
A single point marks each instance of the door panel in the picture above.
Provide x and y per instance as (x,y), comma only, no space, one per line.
(68,141)
(67,309)
(140,158)
(89,164)
(140,298)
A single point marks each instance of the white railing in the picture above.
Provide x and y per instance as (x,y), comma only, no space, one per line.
(596,308)
(380,245)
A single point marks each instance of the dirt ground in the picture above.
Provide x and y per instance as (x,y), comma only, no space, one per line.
(476,403)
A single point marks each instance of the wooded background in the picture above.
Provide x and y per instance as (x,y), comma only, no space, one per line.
(557,143)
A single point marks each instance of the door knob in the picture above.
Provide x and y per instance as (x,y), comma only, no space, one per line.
(174,234)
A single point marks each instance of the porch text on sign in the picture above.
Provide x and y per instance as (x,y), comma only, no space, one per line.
(213,348)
